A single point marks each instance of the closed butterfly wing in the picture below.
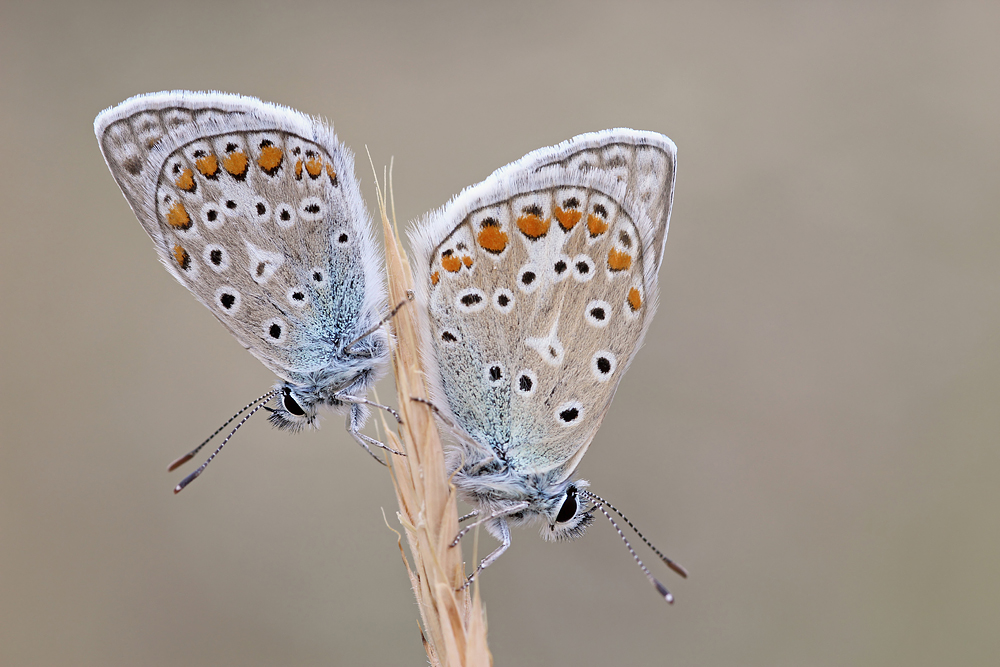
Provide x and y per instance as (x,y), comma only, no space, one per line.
(254,208)
(538,285)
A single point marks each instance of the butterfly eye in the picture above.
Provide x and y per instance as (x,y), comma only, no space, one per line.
(568,509)
(291,405)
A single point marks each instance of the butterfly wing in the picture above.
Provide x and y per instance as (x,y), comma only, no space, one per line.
(538,286)
(253,207)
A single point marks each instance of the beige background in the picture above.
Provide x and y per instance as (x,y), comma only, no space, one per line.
(811,428)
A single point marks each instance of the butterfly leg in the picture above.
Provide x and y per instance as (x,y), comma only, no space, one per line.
(360,439)
(501,524)
(468,516)
(381,323)
(360,400)
(486,562)
(355,420)
(437,411)
(517,507)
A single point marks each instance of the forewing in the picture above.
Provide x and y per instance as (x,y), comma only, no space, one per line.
(539,286)
(255,209)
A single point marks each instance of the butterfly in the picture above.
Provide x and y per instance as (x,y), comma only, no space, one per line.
(535,289)
(255,208)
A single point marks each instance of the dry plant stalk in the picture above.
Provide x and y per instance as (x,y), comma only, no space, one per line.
(454,625)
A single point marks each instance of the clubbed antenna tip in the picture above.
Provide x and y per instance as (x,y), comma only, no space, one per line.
(187,480)
(600,503)
(676,568)
(663,591)
(179,462)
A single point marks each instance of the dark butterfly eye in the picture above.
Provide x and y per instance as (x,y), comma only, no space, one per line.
(291,405)
(568,509)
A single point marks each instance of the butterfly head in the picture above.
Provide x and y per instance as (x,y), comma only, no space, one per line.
(560,506)
(568,516)
(296,408)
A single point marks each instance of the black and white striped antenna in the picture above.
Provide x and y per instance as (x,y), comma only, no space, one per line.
(256,404)
(600,503)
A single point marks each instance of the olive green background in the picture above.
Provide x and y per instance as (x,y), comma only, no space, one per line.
(811,427)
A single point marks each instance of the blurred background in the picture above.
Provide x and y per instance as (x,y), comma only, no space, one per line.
(811,428)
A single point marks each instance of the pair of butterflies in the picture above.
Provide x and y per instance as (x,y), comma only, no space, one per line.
(535,287)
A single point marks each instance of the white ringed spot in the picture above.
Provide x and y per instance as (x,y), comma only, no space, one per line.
(526,382)
(284,215)
(276,331)
(528,278)
(569,413)
(311,209)
(597,313)
(561,268)
(470,300)
(211,215)
(298,296)
(603,365)
(503,300)
(228,299)
(260,210)
(583,268)
(216,257)
(234,207)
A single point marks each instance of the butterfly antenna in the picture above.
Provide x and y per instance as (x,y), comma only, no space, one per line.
(381,322)
(190,455)
(653,580)
(190,478)
(671,564)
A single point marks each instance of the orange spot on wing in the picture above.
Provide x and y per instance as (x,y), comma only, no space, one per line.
(314,166)
(532,226)
(178,217)
(596,225)
(634,300)
(493,239)
(435,277)
(619,261)
(298,170)
(181,257)
(208,166)
(467,261)
(270,159)
(567,219)
(235,163)
(185,181)
(451,264)
(332,174)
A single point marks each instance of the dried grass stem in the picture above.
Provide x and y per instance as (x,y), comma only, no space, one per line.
(453,622)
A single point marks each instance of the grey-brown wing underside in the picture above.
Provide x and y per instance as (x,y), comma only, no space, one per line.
(255,209)
(532,341)
(538,286)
